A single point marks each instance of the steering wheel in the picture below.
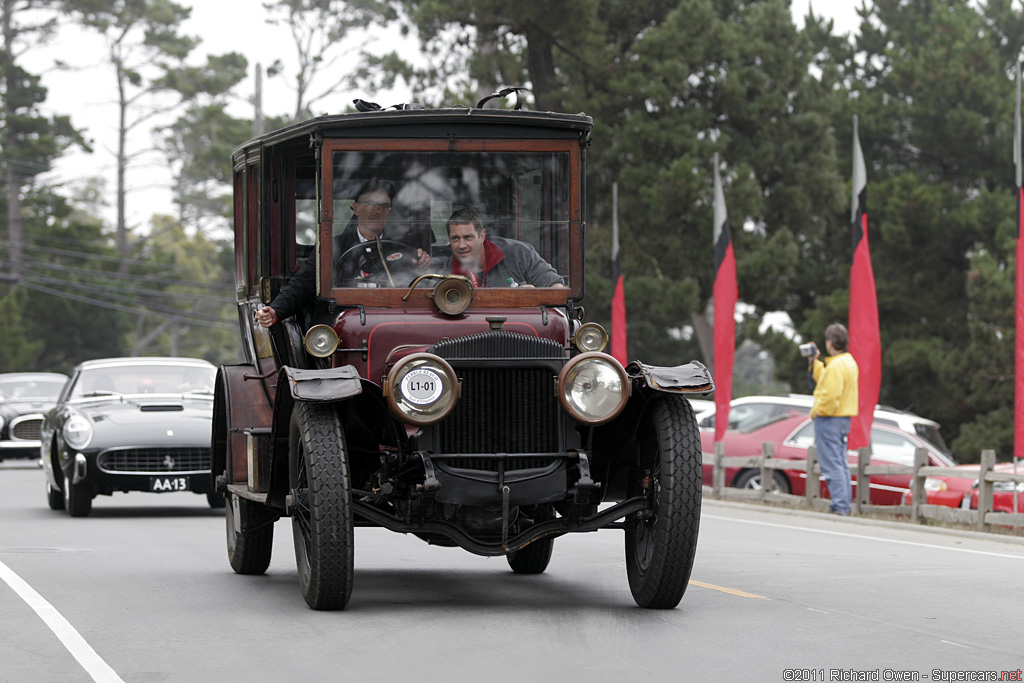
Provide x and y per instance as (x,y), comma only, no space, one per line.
(398,257)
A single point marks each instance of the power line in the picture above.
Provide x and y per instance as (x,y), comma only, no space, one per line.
(117,275)
(128,309)
(28,246)
(105,294)
(48,267)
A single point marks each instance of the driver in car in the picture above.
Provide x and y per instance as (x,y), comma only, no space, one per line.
(355,251)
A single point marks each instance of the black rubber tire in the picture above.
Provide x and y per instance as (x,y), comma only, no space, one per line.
(54,497)
(321,506)
(751,479)
(533,559)
(660,547)
(215,500)
(248,552)
(77,499)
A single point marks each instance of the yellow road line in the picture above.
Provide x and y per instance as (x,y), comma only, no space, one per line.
(730,591)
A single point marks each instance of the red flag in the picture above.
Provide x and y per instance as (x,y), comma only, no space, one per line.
(865,343)
(725,295)
(618,288)
(1018,356)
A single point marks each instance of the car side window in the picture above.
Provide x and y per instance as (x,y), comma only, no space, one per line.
(892,446)
(804,437)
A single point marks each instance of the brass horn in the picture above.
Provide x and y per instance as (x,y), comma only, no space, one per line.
(453,295)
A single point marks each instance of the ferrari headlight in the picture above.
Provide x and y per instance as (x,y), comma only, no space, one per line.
(593,388)
(321,341)
(935,484)
(421,389)
(590,337)
(77,432)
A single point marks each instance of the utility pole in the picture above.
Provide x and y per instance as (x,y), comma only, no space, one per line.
(257,117)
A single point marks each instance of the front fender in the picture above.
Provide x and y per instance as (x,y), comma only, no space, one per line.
(691,378)
(317,386)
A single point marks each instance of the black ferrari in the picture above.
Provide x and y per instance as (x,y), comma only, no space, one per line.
(130,424)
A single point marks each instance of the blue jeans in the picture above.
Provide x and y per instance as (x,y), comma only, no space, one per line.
(830,437)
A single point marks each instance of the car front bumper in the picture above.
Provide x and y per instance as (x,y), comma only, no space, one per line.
(156,470)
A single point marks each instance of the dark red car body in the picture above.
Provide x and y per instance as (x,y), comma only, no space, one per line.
(405,395)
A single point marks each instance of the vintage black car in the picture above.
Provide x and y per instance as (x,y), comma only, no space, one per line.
(465,408)
(130,424)
(24,399)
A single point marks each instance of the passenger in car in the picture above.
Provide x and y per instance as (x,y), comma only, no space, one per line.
(493,261)
(371,212)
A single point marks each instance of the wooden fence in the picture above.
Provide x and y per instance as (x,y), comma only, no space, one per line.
(982,519)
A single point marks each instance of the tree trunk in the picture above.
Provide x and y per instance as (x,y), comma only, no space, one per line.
(541,62)
(13,180)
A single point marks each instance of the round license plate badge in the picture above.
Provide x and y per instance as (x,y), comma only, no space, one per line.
(422,386)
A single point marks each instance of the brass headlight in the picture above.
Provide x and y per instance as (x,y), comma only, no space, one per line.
(321,341)
(590,337)
(593,388)
(421,389)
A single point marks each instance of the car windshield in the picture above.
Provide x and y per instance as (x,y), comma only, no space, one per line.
(144,379)
(405,200)
(30,388)
(931,434)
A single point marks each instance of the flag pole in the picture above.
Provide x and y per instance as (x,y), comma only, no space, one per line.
(619,341)
(1018,403)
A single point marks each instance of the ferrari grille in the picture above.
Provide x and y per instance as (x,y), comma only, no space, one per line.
(154,460)
(27,428)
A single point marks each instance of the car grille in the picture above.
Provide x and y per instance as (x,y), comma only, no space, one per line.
(27,428)
(154,460)
(503,410)
(508,402)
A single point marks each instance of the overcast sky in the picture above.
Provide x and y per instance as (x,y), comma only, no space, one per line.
(88,95)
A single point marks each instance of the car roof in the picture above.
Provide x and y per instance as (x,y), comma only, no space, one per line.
(55,376)
(899,416)
(421,122)
(143,360)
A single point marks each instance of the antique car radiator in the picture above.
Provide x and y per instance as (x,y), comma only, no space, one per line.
(508,402)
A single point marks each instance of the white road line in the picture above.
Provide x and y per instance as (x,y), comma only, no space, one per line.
(93,664)
(864,536)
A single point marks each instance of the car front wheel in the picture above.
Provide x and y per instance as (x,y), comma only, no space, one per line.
(77,499)
(54,497)
(662,541)
(321,506)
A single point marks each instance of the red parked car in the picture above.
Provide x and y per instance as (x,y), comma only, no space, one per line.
(962,492)
(792,435)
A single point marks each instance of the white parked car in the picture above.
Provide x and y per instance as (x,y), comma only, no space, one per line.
(746,412)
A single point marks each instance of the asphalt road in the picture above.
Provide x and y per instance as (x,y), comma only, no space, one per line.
(142,591)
